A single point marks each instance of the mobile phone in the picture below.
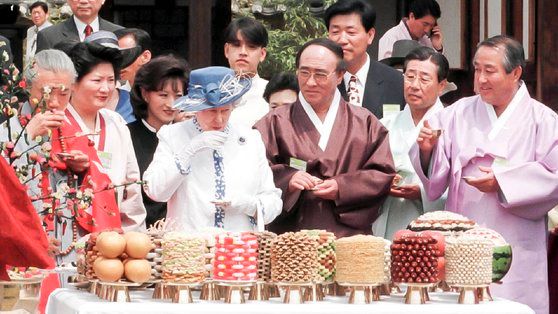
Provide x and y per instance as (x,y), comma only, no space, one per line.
(430,33)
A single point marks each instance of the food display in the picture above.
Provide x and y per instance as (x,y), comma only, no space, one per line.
(137,244)
(468,260)
(108,269)
(294,258)
(360,259)
(414,259)
(91,254)
(183,258)
(110,244)
(387,261)
(24,273)
(109,256)
(209,235)
(265,240)
(236,257)
(326,253)
(501,254)
(444,221)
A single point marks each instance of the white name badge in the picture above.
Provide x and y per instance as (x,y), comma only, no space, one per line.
(297,164)
(389,110)
(500,163)
(105,158)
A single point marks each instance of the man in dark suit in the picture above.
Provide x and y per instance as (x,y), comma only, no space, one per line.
(367,83)
(85,21)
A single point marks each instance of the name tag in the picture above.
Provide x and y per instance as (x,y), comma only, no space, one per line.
(500,163)
(390,110)
(105,158)
(297,164)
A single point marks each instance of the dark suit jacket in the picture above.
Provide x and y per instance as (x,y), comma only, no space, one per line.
(67,31)
(384,85)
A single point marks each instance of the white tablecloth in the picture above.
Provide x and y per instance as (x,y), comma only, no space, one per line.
(63,301)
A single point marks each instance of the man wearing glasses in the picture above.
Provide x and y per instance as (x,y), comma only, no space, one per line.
(331,159)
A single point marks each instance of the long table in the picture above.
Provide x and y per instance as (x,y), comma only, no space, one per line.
(77,301)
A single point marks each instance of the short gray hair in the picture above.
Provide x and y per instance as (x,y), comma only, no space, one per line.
(514,56)
(51,60)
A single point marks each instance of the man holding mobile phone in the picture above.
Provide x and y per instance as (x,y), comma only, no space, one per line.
(421,24)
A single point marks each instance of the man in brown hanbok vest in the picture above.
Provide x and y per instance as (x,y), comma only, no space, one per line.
(331,159)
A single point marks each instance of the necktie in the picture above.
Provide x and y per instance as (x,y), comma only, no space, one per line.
(88,30)
(33,46)
(352,91)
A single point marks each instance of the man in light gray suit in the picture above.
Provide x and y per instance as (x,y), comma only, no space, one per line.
(85,21)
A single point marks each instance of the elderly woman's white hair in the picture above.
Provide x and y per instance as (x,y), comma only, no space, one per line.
(51,60)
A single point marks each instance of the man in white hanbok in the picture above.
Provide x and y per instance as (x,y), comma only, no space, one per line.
(211,172)
(425,78)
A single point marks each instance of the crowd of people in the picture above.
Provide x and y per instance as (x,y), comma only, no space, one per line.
(347,143)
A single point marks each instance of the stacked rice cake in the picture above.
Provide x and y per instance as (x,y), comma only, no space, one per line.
(444,221)
(294,258)
(360,259)
(468,260)
(183,258)
(265,240)
(413,260)
(326,253)
(236,257)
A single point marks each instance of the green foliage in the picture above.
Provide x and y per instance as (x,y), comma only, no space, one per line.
(299,27)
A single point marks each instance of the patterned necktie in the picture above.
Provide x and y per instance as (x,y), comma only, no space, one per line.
(34,45)
(88,30)
(352,91)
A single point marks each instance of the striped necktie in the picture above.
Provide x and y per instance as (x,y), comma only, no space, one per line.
(88,30)
(352,91)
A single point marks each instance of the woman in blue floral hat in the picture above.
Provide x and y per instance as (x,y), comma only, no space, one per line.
(210,172)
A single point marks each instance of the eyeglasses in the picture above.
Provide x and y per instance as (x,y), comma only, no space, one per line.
(423,80)
(319,77)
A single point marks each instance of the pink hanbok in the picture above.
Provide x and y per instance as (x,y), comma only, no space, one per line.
(521,146)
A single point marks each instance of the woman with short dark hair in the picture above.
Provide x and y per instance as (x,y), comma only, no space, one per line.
(157,85)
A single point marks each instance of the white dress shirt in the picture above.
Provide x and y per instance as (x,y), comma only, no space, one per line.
(324,128)
(31,42)
(253,106)
(81,27)
(361,76)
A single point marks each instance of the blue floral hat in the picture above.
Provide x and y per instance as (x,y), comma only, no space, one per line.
(212,87)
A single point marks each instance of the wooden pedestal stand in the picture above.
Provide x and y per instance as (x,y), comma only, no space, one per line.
(20,294)
(315,292)
(180,292)
(273,290)
(473,294)
(210,291)
(114,291)
(362,293)
(234,290)
(159,291)
(484,294)
(259,292)
(294,291)
(417,293)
